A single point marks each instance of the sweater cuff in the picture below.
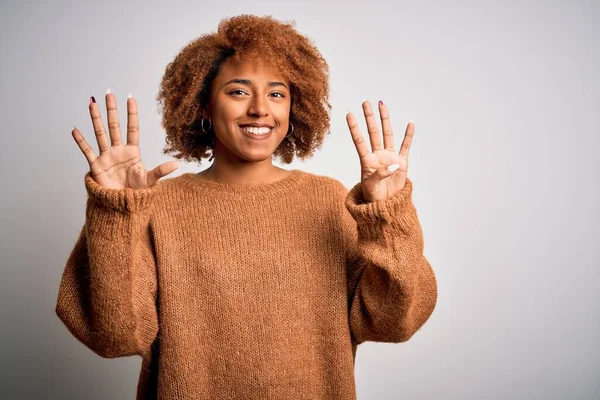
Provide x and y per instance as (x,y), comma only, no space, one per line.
(122,200)
(378,212)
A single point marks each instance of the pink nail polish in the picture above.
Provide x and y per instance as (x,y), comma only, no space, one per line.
(92,99)
(380,102)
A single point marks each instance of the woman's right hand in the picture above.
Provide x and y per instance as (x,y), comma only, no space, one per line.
(119,166)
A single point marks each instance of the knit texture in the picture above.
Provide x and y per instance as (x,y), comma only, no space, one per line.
(245,291)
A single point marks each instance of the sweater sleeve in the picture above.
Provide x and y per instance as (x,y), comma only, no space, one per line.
(392,287)
(107,294)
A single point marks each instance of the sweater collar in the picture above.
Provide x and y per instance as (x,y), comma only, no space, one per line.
(281,186)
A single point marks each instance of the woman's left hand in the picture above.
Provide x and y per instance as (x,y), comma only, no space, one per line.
(378,183)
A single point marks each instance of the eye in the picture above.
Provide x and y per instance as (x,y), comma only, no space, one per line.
(237,92)
(279,95)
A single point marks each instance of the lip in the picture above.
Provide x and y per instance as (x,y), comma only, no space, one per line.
(255,125)
(256,137)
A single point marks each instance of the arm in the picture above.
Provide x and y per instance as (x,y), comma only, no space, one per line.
(107,293)
(392,288)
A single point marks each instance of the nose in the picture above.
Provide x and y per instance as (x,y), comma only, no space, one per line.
(258,107)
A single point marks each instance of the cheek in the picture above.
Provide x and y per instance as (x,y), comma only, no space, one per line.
(282,112)
(226,113)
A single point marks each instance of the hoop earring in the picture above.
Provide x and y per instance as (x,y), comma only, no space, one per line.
(209,125)
(212,139)
(292,132)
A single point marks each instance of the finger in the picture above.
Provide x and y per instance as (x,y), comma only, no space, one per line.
(133,127)
(83,145)
(371,183)
(386,125)
(103,145)
(408,135)
(160,171)
(357,137)
(372,127)
(112,116)
(382,173)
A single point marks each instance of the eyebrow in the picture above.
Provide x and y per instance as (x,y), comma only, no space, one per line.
(249,82)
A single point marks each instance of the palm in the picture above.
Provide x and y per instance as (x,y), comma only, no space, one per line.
(119,165)
(377,182)
(389,185)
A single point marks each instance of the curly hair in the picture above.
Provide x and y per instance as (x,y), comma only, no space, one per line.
(185,87)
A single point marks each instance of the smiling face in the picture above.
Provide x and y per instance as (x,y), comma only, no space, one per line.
(250,108)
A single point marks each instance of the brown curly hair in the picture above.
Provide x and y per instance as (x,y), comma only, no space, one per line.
(185,87)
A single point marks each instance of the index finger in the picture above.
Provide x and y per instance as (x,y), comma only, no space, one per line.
(357,137)
(133,127)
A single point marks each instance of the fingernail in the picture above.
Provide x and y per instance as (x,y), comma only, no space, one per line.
(410,121)
(129,96)
(92,99)
(74,127)
(108,91)
(380,103)
(393,167)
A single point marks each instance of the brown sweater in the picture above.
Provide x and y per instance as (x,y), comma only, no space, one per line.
(245,291)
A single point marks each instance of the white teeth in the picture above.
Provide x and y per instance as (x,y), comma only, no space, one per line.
(256,131)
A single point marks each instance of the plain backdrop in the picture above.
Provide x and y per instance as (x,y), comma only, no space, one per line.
(504,162)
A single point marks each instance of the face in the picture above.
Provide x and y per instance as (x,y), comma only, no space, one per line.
(249,107)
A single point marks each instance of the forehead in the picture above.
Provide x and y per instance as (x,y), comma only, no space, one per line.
(253,69)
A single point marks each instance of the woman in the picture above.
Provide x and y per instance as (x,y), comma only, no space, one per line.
(245,281)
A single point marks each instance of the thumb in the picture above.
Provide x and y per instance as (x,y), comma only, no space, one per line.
(384,172)
(162,170)
(374,180)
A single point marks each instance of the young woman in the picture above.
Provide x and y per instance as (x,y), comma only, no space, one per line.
(245,281)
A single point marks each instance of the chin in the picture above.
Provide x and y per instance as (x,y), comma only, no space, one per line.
(255,156)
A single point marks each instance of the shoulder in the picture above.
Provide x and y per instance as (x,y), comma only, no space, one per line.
(327,188)
(324,182)
(171,182)
(180,182)
(171,188)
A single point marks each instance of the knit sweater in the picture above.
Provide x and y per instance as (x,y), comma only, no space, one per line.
(233,291)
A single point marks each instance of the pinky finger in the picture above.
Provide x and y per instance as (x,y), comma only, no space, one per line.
(84,146)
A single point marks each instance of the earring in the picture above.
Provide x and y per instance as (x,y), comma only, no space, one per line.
(209,125)
(212,139)
(292,132)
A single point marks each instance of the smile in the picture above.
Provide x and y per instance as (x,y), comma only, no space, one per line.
(257,133)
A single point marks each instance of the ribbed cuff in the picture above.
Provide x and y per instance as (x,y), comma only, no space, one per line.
(121,200)
(379,211)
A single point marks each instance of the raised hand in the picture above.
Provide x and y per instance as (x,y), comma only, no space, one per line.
(378,182)
(119,166)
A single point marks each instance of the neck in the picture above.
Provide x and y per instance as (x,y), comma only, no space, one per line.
(247,173)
